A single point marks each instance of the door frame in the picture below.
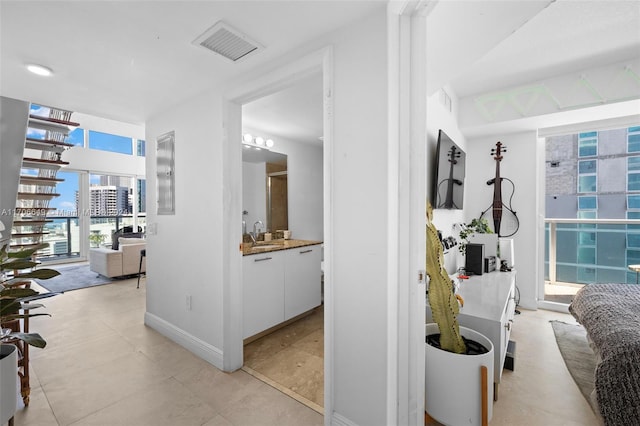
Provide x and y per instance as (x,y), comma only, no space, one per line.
(320,61)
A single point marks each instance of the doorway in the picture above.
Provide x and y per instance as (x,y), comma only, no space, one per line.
(318,62)
(287,195)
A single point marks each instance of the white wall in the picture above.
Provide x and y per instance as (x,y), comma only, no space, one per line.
(184,258)
(360,195)
(520,165)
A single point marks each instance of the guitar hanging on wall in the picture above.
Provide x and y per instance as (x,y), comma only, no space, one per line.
(505,220)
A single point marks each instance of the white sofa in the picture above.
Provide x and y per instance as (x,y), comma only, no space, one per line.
(117,263)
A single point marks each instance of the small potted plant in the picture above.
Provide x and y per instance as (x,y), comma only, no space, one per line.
(16,304)
(476,226)
(96,239)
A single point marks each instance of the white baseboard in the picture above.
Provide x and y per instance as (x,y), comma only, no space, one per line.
(209,353)
(339,420)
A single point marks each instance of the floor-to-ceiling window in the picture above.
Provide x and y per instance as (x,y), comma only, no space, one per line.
(94,203)
(592,199)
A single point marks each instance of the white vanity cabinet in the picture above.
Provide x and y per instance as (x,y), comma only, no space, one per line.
(302,285)
(279,285)
(263,290)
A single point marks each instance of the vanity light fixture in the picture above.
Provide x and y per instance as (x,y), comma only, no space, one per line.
(40,70)
(258,142)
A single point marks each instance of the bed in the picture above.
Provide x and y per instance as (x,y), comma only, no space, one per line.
(611,315)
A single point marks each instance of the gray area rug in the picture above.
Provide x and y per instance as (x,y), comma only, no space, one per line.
(73,278)
(578,356)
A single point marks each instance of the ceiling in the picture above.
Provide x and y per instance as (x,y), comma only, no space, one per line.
(129,60)
(566,36)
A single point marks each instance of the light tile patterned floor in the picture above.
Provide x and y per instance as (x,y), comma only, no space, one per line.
(104,367)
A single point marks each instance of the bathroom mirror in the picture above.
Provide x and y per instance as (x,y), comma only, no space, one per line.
(264,189)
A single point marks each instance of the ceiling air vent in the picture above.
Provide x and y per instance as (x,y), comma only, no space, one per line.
(227,41)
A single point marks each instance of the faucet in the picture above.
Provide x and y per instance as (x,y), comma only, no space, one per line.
(254,235)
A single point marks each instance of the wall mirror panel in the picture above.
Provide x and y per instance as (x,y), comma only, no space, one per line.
(264,189)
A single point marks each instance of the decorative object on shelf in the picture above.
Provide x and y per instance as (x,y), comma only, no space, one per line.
(16,297)
(457,388)
(505,220)
(476,226)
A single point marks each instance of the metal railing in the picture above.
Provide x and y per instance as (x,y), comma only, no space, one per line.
(587,251)
(64,234)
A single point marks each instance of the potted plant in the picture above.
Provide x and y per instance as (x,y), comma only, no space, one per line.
(456,358)
(476,226)
(96,238)
(15,305)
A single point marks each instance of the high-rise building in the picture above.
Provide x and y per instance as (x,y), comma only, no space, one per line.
(109,200)
(594,175)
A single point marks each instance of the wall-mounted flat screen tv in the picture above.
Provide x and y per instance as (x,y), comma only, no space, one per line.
(448,183)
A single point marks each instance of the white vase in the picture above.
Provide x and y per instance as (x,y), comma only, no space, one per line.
(8,382)
(453,391)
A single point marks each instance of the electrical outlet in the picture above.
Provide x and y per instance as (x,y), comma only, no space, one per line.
(188,302)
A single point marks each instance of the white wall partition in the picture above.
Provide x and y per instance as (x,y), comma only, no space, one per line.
(208,207)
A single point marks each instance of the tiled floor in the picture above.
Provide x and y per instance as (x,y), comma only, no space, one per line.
(560,292)
(292,359)
(103,366)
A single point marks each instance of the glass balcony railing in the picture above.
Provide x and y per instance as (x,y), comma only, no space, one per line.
(64,234)
(587,251)
(63,239)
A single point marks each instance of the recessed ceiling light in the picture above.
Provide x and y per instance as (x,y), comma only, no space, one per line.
(40,70)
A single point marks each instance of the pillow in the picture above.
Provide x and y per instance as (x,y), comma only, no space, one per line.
(122,241)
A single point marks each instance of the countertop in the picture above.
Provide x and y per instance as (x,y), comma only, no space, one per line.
(275,245)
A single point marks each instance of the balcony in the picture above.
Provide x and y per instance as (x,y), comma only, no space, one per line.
(63,234)
(587,251)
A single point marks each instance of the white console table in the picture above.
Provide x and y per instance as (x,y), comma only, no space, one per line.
(489,308)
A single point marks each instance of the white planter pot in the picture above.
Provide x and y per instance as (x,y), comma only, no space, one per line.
(453,391)
(8,382)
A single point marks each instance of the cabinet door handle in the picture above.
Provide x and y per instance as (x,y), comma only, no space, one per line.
(261,259)
(306,251)
(508,326)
